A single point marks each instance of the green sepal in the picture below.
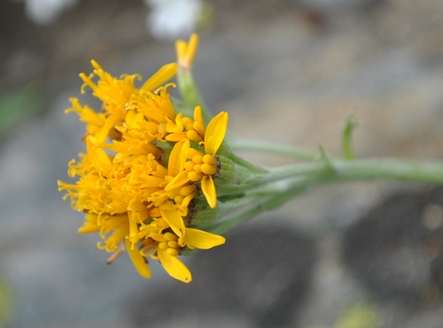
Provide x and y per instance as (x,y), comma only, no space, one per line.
(187,251)
(200,213)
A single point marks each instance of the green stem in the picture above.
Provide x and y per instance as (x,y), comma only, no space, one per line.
(190,93)
(345,170)
(371,169)
(225,150)
(255,207)
(283,184)
(384,169)
(267,147)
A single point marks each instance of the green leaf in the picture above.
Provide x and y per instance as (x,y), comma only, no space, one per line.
(346,138)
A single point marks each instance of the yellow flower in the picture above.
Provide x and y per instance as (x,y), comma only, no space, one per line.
(186,51)
(94,120)
(138,260)
(214,136)
(203,166)
(167,246)
(128,163)
(173,204)
(116,95)
(186,128)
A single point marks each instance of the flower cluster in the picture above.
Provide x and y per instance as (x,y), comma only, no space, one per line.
(144,166)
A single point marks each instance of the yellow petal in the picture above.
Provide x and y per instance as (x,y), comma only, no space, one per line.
(186,51)
(111,121)
(192,48)
(174,220)
(110,223)
(199,123)
(133,226)
(198,114)
(88,228)
(174,267)
(165,73)
(90,224)
(215,133)
(180,47)
(208,188)
(86,113)
(138,260)
(177,136)
(132,118)
(178,181)
(96,65)
(177,157)
(196,238)
(117,236)
(97,156)
(88,82)
(174,126)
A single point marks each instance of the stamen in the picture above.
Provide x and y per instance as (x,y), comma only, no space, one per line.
(116,254)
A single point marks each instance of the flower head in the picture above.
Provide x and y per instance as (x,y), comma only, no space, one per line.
(135,149)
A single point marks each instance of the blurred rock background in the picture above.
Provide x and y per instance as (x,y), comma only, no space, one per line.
(287,71)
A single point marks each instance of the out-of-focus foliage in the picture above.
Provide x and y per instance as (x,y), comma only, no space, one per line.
(359,315)
(5,302)
(17,106)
